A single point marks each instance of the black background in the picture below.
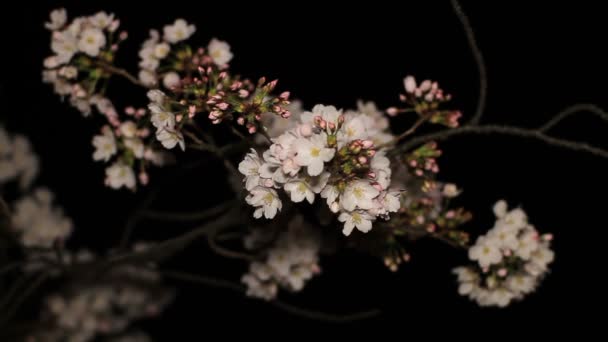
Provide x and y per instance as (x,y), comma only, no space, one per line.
(540,59)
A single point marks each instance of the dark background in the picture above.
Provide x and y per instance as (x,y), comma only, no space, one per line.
(540,58)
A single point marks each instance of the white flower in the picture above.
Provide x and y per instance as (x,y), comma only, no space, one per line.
(528,243)
(128,129)
(105,145)
(250,167)
(391,202)
(65,45)
(327,113)
(358,194)
(102,20)
(504,237)
(359,219)
(171,80)
(119,175)
(353,128)
(331,193)
(521,283)
(313,153)
(259,289)
(267,200)
(38,223)
(147,77)
(467,278)
(306,188)
(374,118)
(450,190)
(170,137)
(91,41)
(136,146)
(180,30)
(161,50)
(500,297)
(500,208)
(486,252)
(156,96)
(219,52)
(58,19)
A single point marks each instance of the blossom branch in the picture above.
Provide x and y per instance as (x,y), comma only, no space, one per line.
(479,60)
(225,252)
(27,292)
(187,216)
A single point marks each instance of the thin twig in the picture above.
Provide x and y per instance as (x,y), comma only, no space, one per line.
(225,252)
(169,247)
(574,109)
(479,60)
(33,286)
(504,130)
(187,216)
(289,308)
(122,72)
(422,119)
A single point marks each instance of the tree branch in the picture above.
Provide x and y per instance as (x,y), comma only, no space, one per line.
(479,61)
(289,308)
(504,130)
(574,109)
(122,72)
(187,216)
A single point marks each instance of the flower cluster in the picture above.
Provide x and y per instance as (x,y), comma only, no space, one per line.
(17,161)
(426,211)
(127,145)
(155,51)
(107,306)
(512,259)
(37,222)
(289,263)
(425,100)
(328,154)
(83,49)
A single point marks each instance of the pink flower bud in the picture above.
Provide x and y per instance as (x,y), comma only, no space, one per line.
(450,214)
(305,130)
(425,86)
(191,111)
(286,114)
(258,117)
(123,35)
(371,175)
(240,120)
(222,75)
(413,163)
(402,98)
(251,129)
(243,93)
(507,252)
(284,96)
(179,117)
(144,179)
(420,219)
(268,183)
(222,106)
(431,228)
(140,112)
(547,237)
(201,70)
(392,111)
(371,153)
(418,172)
(410,84)
(368,144)
(332,126)
(362,160)
(130,110)
(502,272)
(272,84)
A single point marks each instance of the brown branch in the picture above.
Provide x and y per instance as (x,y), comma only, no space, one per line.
(289,308)
(121,72)
(503,130)
(187,216)
(225,252)
(574,109)
(479,61)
